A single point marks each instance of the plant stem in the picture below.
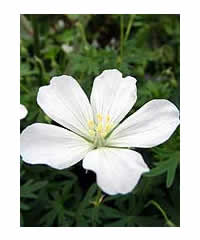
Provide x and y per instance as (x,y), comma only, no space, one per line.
(36,35)
(24,88)
(98,194)
(130,23)
(121,36)
(168,222)
(42,69)
(96,207)
(83,35)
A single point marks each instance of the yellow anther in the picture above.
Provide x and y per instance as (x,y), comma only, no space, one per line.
(99,117)
(107,118)
(108,127)
(99,127)
(90,124)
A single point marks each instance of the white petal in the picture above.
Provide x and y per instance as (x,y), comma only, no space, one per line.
(52,145)
(23,111)
(113,95)
(117,170)
(65,102)
(150,126)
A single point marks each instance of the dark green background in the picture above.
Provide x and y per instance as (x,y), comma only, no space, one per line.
(143,46)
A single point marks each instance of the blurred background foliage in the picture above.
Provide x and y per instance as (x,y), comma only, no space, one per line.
(143,46)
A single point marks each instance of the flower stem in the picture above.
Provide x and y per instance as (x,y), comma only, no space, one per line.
(168,222)
(121,36)
(96,203)
(42,69)
(130,23)
(83,35)
(36,35)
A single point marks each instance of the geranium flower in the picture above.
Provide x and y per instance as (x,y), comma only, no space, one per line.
(67,48)
(23,111)
(93,132)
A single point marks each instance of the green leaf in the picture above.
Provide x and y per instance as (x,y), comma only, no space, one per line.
(109,212)
(171,173)
(168,166)
(24,206)
(88,197)
(27,190)
(120,223)
(49,218)
(21,220)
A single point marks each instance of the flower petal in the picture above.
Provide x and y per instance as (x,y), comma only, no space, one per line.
(23,111)
(52,145)
(150,126)
(113,95)
(117,170)
(65,102)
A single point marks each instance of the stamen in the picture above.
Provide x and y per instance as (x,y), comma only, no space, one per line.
(90,124)
(99,129)
(99,117)
(108,127)
(107,119)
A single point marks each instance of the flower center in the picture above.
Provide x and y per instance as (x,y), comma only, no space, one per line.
(99,129)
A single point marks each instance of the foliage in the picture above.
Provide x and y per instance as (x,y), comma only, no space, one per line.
(143,46)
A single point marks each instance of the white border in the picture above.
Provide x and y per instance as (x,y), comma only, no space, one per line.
(190,121)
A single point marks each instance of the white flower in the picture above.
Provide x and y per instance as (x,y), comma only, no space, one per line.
(113,42)
(60,24)
(23,111)
(95,43)
(67,48)
(94,133)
